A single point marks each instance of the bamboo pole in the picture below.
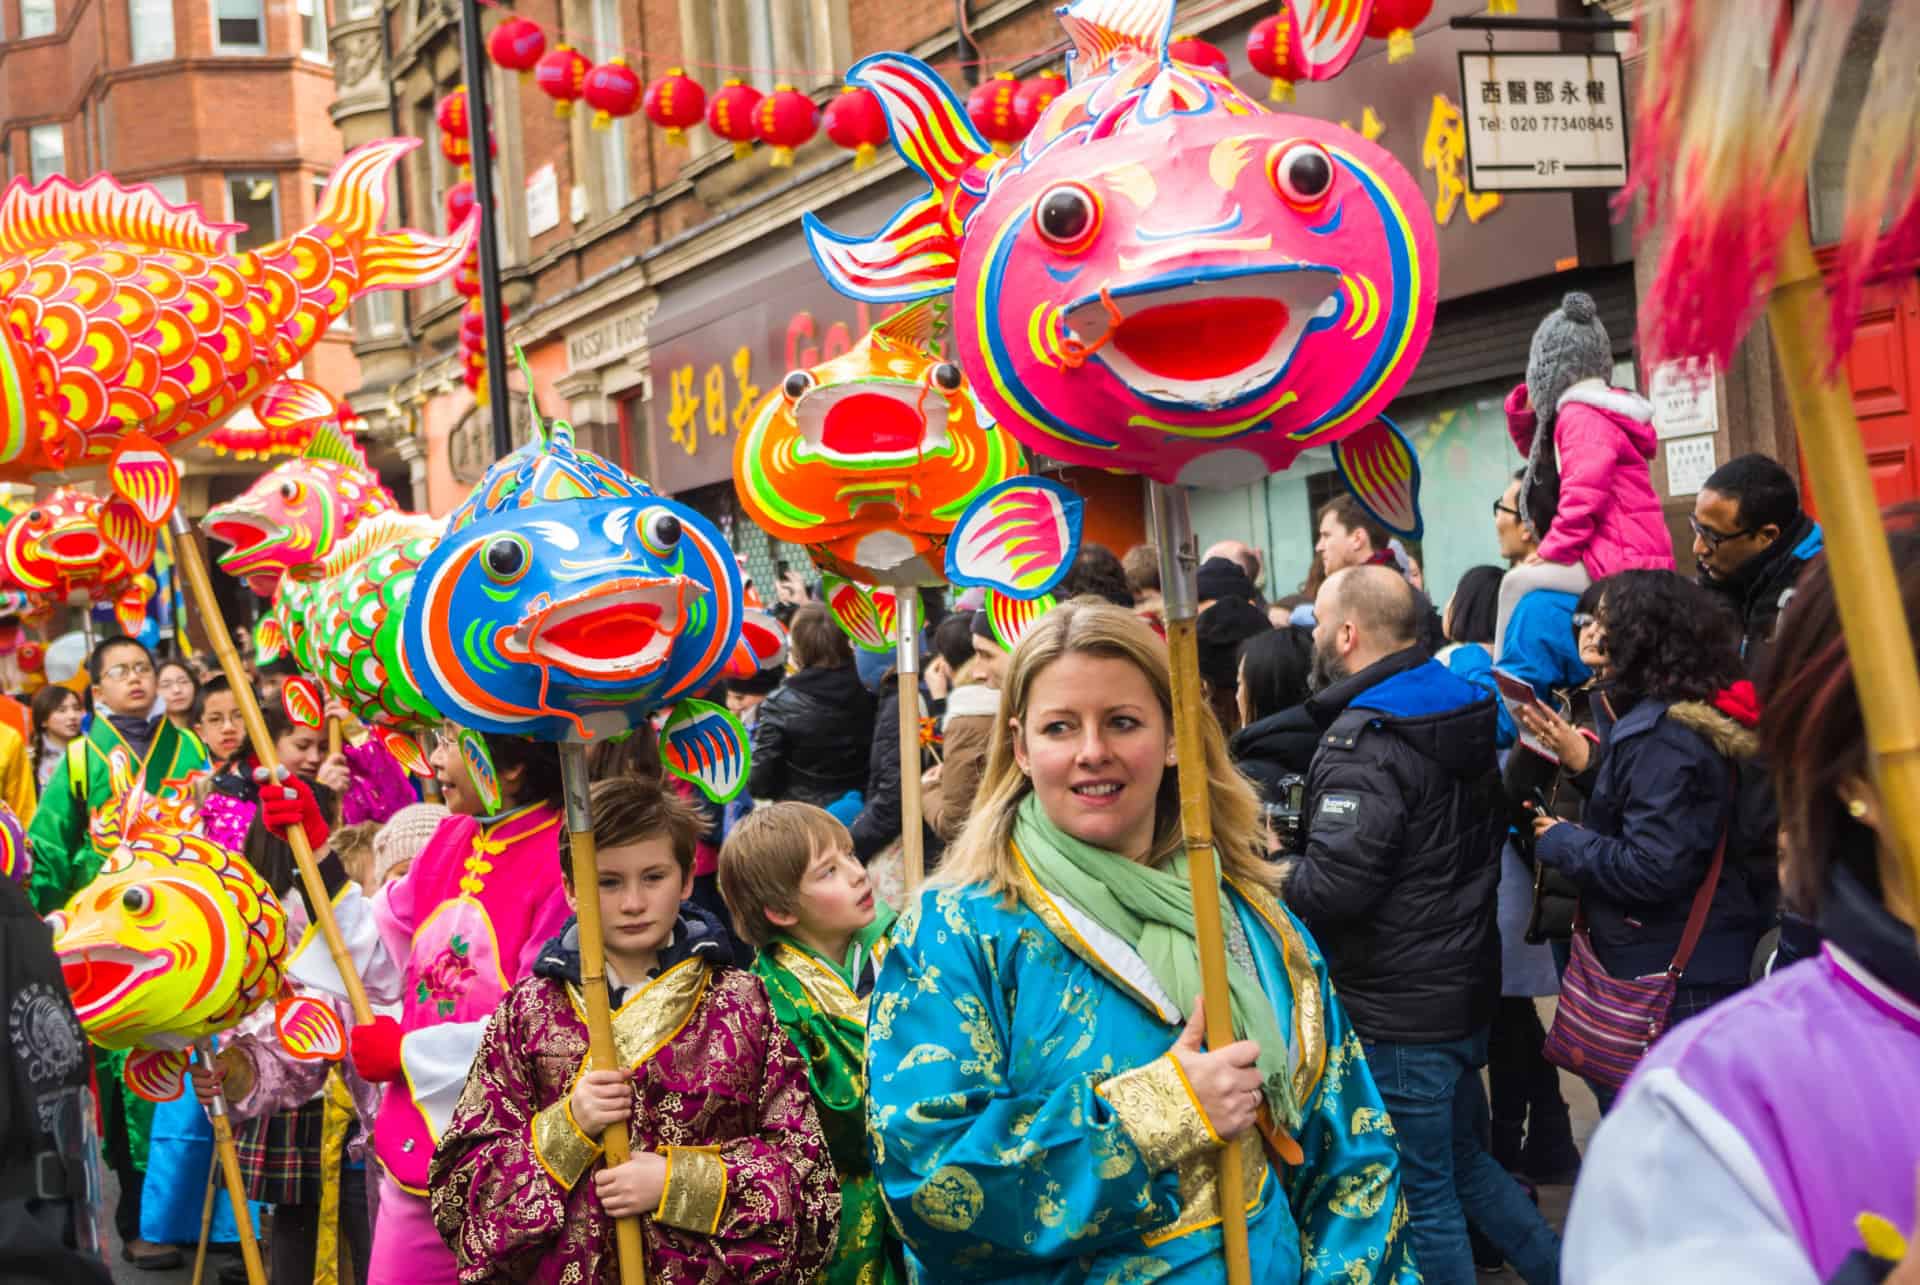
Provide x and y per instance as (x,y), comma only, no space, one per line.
(206,1217)
(907,663)
(194,570)
(1865,587)
(593,984)
(1179,566)
(230,1160)
(333,737)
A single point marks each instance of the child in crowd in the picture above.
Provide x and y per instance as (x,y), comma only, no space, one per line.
(798,894)
(729,1167)
(1588,491)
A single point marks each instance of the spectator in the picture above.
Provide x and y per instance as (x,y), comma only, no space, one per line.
(57,715)
(1751,540)
(1142,567)
(1535,641)
(1467,627)
(1221,578)
(1397,882)
(1222,628)
(178,691)
(1588,490)
(878,822)
(812,737)
(746,695)
(1751,1144)
(1277,736)
(966,730)
(1097,571)
(1247,558)
(1674,731)
(1510,527)
(401,839)
(1349,538)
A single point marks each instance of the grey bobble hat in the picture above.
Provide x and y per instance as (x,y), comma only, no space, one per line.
(404,835)
(1570,345)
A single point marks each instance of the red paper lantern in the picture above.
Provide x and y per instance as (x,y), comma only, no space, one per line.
(786,118)
(731,116)
(1035,96)
(1270,52)
(33,658)
(856,121)
(517,44)
(1394,21)
(451,112)
(990,108)
(676,103)
(561,75)
(466,279)
(612,90)
(459,202)
(458,150)
(1196,52)
(473,325)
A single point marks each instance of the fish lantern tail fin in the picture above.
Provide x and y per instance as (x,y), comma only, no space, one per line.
(353,206)
(1102,29)
(157,1075)
(916,254)
(1382,470)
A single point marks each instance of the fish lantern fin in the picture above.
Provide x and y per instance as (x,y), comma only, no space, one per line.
(704,744)
(158,1075)
(479,761)
(1019,538)
(130,609)
(1101,29)
(35,218)
(857,611)
(123,527)
(1010,618)
(143,475)
(300,696)
(1379,465)
(354,204)
(916,254)
(288,403)
(406,752)
(330,445)
(916,326)
(269,641)
(309,1030)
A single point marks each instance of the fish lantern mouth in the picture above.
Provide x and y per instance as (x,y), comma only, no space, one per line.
(1206,342)
(615,632)
(73,547)
(874,421)
(245,532)
(99,977)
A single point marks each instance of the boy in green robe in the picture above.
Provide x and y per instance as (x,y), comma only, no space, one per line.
(800,897)
(67,855)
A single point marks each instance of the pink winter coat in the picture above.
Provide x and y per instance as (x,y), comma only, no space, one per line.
(1609,518)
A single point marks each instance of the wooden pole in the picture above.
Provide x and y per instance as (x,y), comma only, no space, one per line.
(333,737)
(593,984)
(230,1158)
(206,1217)
(1865,587)
(907,663)
(194,571)
(1179,566)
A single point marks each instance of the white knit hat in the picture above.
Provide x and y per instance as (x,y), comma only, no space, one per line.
(404,835)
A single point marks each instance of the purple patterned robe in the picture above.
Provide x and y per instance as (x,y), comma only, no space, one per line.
(751,1193)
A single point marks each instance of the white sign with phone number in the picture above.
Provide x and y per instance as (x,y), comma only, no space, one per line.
(1543,122)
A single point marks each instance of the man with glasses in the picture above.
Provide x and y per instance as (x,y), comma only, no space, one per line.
(67,855)
(1750,540)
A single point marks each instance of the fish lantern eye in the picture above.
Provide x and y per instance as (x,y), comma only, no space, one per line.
(1302,172)
(946,377)
(137,900)
(506,559)
(660,532)
(1067,217)
(796,385)
(36,516)
(290,490)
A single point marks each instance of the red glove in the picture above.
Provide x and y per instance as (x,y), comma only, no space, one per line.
(375,1048)
(288,803)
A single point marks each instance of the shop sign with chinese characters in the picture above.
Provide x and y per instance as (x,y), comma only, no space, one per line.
(1539,122)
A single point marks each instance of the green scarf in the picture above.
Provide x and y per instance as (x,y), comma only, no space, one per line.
(1152,907)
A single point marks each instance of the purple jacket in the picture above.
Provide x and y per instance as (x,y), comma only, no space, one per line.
(380,786)
(1609,518)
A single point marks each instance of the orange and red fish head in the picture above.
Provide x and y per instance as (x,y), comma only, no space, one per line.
(869,458)
(58,547)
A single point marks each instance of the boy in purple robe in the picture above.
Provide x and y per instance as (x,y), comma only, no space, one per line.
(730,1174)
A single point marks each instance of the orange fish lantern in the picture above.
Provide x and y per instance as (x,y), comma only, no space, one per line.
(869,458)
(121,313)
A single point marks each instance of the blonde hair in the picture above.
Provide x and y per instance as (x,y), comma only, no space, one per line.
(765,857)
(353,844)
(983,854)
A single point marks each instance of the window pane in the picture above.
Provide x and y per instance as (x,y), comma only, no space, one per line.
(152,22)
(171,186)
(379,314)
(47,151)
(360,8)
(253,200)
(238,24)
(36,18)
(313,26)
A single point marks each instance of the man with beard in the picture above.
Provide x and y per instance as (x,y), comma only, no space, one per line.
(1750,540)
(1404,821)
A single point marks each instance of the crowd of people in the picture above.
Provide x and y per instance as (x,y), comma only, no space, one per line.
(1584,774)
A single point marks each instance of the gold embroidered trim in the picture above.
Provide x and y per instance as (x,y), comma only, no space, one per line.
(559,1145)
(1040,902)
(696,1190)
(831,995)
(1200,1190)
(1309,1021)
(655,1013)
(1157,1108)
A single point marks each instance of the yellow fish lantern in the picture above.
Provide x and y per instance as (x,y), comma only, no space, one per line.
(175,939)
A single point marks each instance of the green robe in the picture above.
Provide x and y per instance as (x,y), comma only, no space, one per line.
(817,1001)
(66,858)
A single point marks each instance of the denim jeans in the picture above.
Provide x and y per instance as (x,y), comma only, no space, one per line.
(1432,1093)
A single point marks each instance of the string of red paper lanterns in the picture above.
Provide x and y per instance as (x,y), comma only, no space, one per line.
(450,113)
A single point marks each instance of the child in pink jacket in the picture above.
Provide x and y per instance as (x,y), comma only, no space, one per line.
(1588,493)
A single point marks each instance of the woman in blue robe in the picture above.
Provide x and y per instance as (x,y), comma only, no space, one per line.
(1040,1107)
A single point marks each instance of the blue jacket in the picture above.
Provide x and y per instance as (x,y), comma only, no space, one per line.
(1662,794)
(1474,663)
(1540,646)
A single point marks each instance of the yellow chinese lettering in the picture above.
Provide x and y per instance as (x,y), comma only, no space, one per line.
(745,395)
(1445,155)
(716,401)
(682,408)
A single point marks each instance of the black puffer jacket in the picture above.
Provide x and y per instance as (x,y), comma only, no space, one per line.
(1404,822)
(879,821)
(1278,745)
(812,738)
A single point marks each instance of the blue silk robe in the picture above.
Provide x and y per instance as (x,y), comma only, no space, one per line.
(1027,1126)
